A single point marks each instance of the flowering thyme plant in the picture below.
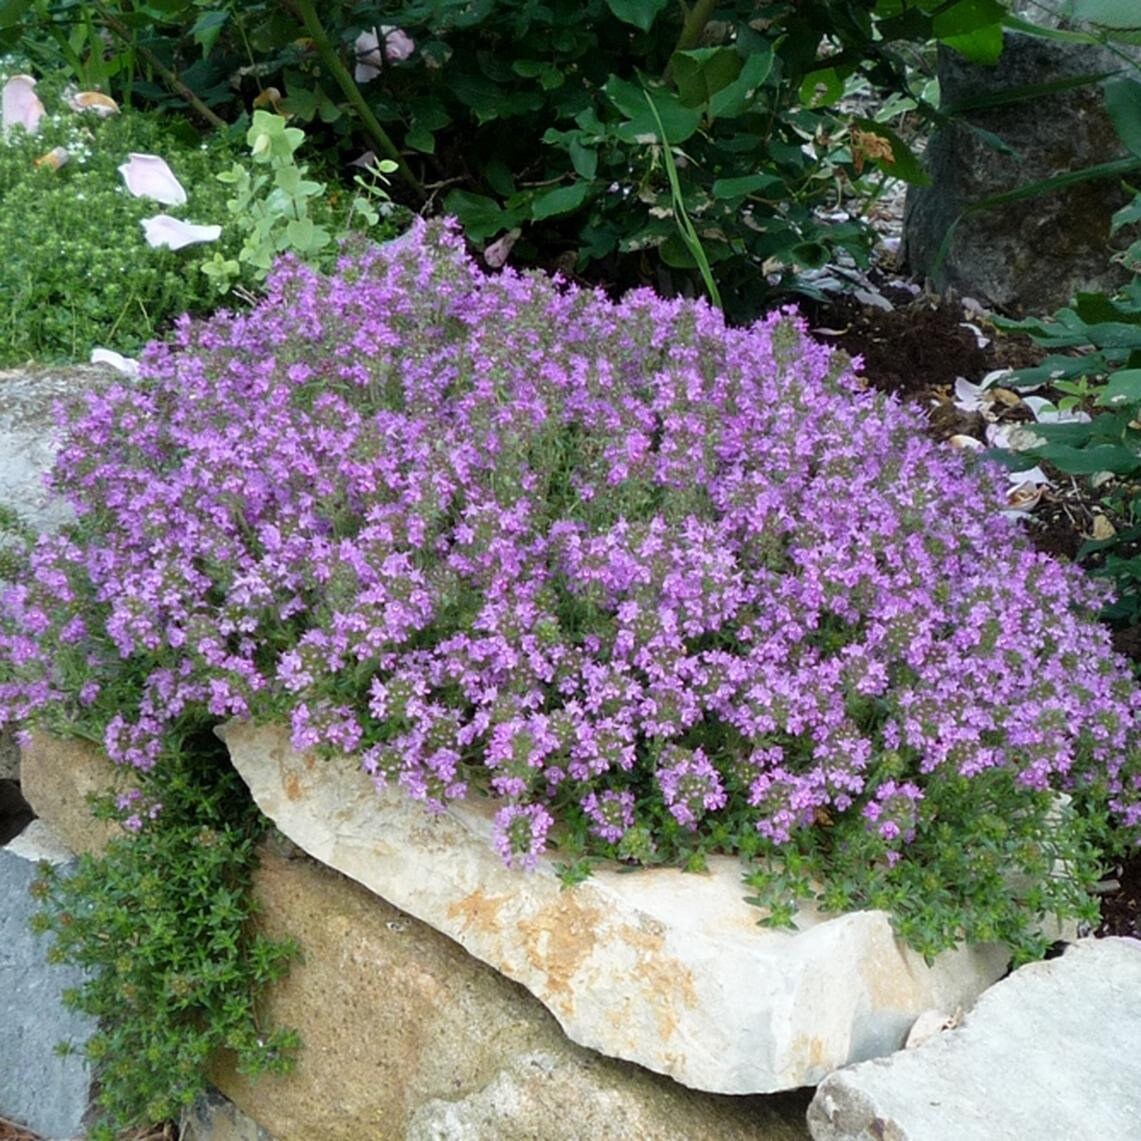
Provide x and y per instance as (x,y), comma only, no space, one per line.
(659,586)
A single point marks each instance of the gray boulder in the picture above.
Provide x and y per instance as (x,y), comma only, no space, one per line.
(1053,1052)
(39,1089)
(1030,255)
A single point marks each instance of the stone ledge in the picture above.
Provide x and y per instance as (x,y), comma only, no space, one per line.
(661,968)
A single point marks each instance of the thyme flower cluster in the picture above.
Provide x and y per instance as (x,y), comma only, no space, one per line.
(624,568)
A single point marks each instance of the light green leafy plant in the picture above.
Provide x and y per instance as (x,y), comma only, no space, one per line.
(279,208)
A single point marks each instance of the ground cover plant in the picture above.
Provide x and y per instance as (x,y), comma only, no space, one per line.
(659,586)
(114,223)
(160,924)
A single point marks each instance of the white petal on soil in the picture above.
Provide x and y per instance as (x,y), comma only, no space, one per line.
(20,106)
(128,366)
(163,230)
(1047,413)
(967,443)
(981,339)
(148,176)
(971,397)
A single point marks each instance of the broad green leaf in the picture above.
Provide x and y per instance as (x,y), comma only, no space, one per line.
(678,122)
(745,184)
(301,232)
(420,138)
(480,216)
(640,13)
(1109,13)
(208,27)
(583,159)
(984,45)
(965,17)
(1127,215)
(561,200)
(1124,388)
(739,95)
(1086,461)
(701,73)
(1123,104)
(821,88)
(903,162)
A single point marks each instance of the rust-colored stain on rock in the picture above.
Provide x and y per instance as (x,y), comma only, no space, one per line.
(478,912)
(558,940)
(292,785)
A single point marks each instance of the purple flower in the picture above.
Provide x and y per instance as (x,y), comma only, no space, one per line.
(520,834)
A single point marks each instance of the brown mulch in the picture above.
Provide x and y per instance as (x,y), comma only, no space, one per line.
(916,351)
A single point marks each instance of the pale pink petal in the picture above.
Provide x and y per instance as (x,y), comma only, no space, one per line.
(95,102)
(148,176)
(164,231)
(398,44)
(20,106)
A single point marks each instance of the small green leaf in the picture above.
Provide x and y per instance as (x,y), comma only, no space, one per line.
(701,73)
(1123,105)
(821,88)
(640,13)
(561,200)
(1124,388)
(984,45)
(1128,215)
(481,217)
(741,93)
(584,160)
(420,139)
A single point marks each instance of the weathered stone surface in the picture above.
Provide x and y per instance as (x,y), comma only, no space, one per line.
(9,755)
(662,968)
(27,436)
(1030,255)
(38,1089)
(57,775)
(1053,1052)
(407,1036)
(213,1117)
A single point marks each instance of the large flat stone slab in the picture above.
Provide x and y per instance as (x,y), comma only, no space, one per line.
(1052,1053)
(39,1089)
(406,1037)
(661,968)
(28,430)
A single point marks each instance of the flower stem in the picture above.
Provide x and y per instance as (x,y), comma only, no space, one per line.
(307,13)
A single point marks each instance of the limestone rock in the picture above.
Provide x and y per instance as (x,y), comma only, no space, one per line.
(38,1088)
(57,775)
(27,430)
(661,968)
(1053,1052)
(1030,255)
(406,1036)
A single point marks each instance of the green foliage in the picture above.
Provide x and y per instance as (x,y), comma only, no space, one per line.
(276,210)
(1056,848)
(162,925)
(515,115)
(1105,452)
(75,270)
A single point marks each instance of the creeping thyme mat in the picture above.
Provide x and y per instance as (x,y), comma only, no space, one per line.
(660,587)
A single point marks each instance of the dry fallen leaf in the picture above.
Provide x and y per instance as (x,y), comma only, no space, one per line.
(1103,528)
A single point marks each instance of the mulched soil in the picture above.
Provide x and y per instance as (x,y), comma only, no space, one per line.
(917,350)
